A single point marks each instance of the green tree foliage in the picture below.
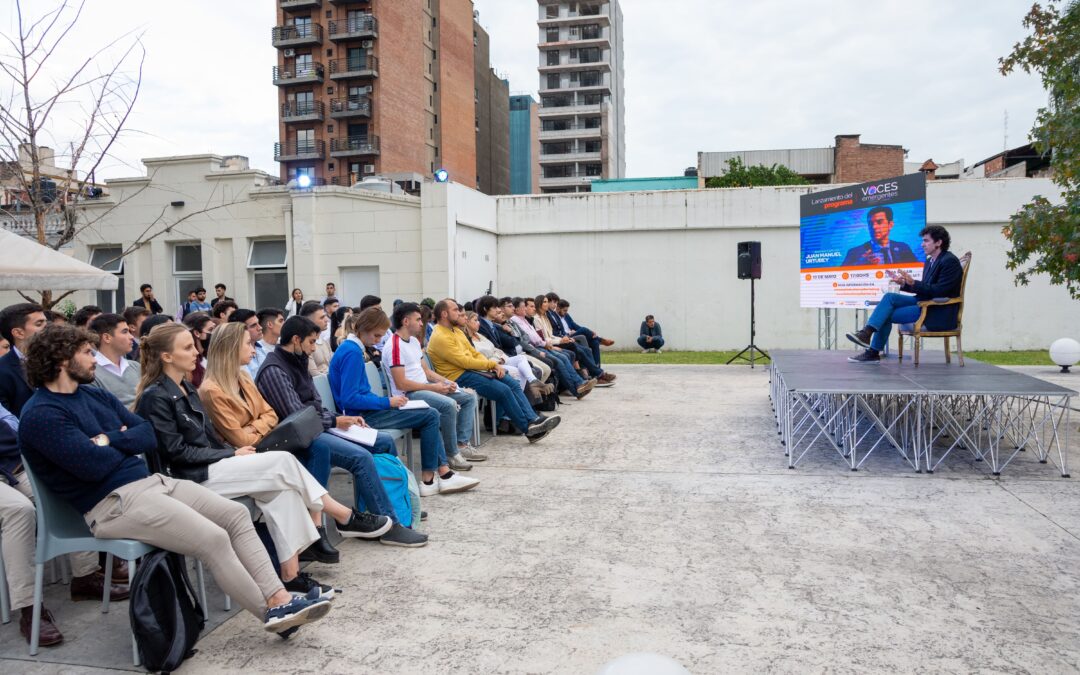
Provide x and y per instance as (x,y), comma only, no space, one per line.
(1045,236)
(740,175)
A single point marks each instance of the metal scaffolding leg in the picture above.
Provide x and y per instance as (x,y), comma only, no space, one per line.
(827,328)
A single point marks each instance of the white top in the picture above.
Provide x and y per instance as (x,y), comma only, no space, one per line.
(104,363)
(404,354)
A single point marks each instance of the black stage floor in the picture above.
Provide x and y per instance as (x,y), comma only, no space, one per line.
(829,372)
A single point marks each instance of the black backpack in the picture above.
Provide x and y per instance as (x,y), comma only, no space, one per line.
(166,617)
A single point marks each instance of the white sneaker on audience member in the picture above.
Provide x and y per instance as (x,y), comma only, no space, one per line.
(455,483)
(430,490)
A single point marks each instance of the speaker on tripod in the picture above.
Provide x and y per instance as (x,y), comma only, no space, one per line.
(749,267)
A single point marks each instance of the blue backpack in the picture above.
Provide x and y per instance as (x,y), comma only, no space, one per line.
(400,486)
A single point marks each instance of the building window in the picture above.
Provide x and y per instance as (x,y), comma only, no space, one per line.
(553,81)
(187,270)
(553,58)
(108,259)
(553,11)
(552,34)
(270,274)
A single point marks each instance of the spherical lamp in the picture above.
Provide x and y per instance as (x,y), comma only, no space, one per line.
(1065,352)
(643,664)
(442,176)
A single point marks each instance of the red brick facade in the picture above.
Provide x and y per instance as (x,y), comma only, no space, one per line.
(855,162)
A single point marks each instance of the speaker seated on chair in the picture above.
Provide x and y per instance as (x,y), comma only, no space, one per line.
(749,259)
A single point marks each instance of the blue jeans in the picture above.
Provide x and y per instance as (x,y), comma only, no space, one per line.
(893,308)
(584,357)
(357,460)
(456,425)
(508,397)
(564,368)
(316,459)
(657,342)
(594,342)
(432,452)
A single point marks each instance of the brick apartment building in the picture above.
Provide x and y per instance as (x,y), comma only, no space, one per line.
(849,161)
(375,87)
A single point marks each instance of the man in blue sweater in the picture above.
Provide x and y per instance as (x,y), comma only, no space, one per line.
(352,392)
(84,445)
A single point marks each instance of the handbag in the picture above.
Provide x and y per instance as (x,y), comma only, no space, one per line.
(294,433)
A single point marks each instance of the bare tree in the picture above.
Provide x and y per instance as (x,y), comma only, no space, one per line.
(58,126)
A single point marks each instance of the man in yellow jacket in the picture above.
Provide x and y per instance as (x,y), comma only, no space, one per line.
(454,357)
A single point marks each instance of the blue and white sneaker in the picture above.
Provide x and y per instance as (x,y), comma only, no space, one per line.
(297,612)
(304,586)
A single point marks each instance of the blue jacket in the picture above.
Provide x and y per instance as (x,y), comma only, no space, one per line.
(864,254)
(15,391)
(500,338)
(348,381)
(941,279)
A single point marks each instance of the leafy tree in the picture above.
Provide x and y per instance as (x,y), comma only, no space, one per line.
(740,175)
(1045,236)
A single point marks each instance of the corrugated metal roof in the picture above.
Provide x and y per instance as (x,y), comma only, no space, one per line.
(808,161)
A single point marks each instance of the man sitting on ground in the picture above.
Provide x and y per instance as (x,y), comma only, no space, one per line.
(352,393)
(455,359)
(942,276)
(410,376)
(114,373)
(85,447)
(650,338)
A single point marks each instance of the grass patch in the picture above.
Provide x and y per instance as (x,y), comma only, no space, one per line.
(1032,357)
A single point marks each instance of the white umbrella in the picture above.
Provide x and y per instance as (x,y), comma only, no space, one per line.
(27,265)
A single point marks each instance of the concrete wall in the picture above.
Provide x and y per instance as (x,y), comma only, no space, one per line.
(618,257)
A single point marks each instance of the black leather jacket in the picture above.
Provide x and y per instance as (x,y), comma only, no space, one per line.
(187,441)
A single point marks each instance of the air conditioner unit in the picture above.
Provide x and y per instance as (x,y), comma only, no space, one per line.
(364,90)
(290,52)
(367,44)
(369,168)
(286,74)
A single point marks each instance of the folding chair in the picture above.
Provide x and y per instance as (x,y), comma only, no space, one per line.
(917,332)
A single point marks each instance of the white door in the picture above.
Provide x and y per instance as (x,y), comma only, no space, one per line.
(356,282)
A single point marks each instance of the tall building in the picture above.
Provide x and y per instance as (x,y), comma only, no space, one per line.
(583,121)
(492,119)
(524,145)
(375,86)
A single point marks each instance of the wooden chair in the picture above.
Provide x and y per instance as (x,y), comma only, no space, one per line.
(916,331)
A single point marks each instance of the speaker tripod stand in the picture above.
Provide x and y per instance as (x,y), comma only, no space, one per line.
(752,351)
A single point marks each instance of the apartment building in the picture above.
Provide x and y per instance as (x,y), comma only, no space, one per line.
(492,119)
(582,114)
(375,87)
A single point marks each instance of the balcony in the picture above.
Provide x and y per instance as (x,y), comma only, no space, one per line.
(354,145)
(568,131)
(356,28)
(305,111)
(589,62)
(569,108)
(289,152)
(350,2)
(596,14)
(311,73)
(572,156)
(294,5)
(355,106)
(296,36)
(343,69)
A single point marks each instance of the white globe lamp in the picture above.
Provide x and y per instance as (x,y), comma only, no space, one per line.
(643,664)
(1065,352)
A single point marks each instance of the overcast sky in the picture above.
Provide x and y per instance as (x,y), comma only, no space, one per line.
(700,75)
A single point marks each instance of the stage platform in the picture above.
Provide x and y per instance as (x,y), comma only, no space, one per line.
(923,412)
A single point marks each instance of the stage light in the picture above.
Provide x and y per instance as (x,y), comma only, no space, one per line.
(442,176)
(303,181)
(1065,352)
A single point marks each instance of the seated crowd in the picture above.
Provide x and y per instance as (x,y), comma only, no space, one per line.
(154,428)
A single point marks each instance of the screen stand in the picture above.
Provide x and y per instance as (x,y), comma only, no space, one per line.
(752,351)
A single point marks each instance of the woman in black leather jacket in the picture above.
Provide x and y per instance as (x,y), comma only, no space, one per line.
(289,497)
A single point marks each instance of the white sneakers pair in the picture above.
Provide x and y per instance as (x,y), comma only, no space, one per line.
(440,486)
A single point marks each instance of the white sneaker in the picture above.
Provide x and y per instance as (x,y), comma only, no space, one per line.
(659,351)
(455,483)
(644,351)
(430,490)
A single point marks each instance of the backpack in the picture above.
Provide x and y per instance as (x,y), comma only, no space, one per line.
(166,617)
(400,486)
(545,403)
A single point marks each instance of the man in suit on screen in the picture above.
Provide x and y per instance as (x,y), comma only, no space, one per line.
(880,250)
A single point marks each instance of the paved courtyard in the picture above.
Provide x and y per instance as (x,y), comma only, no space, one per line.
(661,517)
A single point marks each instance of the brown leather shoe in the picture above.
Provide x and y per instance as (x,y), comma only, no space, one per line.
(120,572)
(91,586)
(48,636)
(606,342)
(584,388)
(606,378)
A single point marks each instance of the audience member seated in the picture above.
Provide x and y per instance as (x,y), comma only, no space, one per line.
(561,309)
(455,359)
(270,321)
(85,446)
(5,347)
(152,322)
(426,315)
(202,327)
(319,363)
(18,323)
(518,366)
(239,413)
(290,499)
(942,277)
(286,384)
(410,376)
(352,392)
(222,310)
(54,317)
(331,306)
(135,317)
(493,326)
(583,354)
(569,379)
(250,320)
(114,373)
(85,315)
(650,338)
(540,359)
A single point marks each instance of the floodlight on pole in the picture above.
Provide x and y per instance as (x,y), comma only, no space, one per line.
(442,176)
(303,181)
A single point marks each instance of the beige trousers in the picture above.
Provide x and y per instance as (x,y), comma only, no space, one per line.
(185,517)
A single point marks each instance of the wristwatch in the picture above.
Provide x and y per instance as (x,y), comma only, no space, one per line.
(100,440)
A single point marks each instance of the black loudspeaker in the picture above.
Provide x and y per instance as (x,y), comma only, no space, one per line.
(749,259)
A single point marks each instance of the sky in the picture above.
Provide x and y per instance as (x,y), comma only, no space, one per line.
(701,75)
